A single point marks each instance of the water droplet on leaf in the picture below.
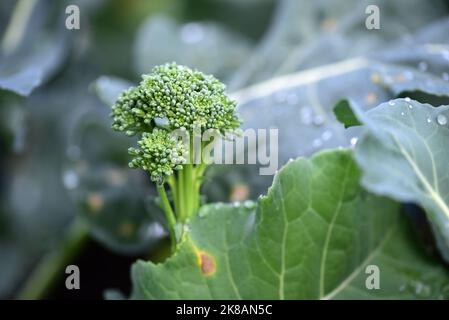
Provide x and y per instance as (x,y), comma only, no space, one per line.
(70,179)
(422,66)
(326,135)
(442,119)
(317,143)
(318,120)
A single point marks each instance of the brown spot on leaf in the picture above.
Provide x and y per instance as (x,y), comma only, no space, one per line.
(207,263)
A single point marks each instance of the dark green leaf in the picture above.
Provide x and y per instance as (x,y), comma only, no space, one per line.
(345,115)
(310,237)
(404,154)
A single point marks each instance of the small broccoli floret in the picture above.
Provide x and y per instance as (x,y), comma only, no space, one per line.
(159,153)
(128,112)
(186,98)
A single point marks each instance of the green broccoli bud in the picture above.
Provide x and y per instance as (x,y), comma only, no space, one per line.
(130,113)
(186,98)
(159,153)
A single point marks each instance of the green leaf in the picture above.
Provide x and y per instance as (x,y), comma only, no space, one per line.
(310,237)
(33,46)
(345,115)
(404,154)
(306,34)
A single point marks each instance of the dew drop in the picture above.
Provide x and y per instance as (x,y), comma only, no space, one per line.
(407,99)
(317,143)
(442,119)
(318,120)
(391,103)
(429,120)
(306,115)
(410,106)
(249,204)
(422,66)
(326,135)
(70,179)
(354,141)
(402,113)
(445,54)
(445,76)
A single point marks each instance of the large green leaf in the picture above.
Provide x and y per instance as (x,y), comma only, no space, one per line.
(33,46)
(404,154)
(306,34)
(310,237)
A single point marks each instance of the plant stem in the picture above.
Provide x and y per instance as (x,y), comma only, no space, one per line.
(170,216)
(52,266)
(174,191)
(189,189)
(181,196)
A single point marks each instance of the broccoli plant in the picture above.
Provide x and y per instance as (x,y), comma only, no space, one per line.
(174,98)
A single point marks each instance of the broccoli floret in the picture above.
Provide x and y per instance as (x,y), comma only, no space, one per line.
(159,154)
(186,98)
(173,97)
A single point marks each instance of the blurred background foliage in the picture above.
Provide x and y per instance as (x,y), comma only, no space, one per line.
(287,62)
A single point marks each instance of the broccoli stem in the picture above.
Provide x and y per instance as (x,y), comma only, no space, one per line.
(189,189)
(185,190)
(181,195)
(169,214)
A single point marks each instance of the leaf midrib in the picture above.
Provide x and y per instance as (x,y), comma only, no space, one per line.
(329,233)
(431,192)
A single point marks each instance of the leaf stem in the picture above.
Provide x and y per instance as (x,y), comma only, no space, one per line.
(52,266)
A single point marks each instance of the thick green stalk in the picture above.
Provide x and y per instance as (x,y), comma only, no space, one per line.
(189,189)
(181,196)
